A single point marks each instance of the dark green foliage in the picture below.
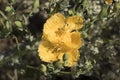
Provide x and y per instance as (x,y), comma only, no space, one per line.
(21,25)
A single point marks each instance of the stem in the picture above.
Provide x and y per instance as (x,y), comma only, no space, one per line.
(63,72)
(15,74)
(17,43)
(3,15)
(9,76)
(18,48)
(31,67)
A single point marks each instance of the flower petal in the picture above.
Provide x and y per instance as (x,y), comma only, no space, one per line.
(53,24)
(74,23)
(72,40)
(60,36)
(73,57)
(109,2)
(45,52)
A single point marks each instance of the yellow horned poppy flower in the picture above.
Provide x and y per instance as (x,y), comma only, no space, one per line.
(50,53)
(60,36)
(109,2)
(57,25)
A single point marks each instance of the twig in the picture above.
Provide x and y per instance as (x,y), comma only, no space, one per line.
(31,67)
(15,74)
(11,78)
(3,15)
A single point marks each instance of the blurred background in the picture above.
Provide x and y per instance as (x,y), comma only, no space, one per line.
(21,24)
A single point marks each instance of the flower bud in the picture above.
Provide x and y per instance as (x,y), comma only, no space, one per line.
(58,64)
(65,57)
(43,68)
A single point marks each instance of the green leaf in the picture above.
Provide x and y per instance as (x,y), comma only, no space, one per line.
(116,6)
(7,24)
(8,9)
(104,12)
(36,4)
(65,57)
(43,68)
(58,64)
(18,24)
(84,34)
(11,1)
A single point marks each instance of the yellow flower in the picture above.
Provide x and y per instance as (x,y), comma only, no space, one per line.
(57,25)
(60,36)
(109,2)
(50,53)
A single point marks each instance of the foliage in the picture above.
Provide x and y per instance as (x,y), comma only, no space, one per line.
(21,25)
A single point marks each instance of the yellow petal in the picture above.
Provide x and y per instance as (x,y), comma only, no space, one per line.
(76,40)
(72,40)
(53,24)
(73,57)
(45,52)
(74,23)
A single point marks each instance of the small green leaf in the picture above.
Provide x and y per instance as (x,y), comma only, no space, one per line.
(70,12)
(18,24)
(7,25)
(56,71)
(116,6)
(65,57)
(104,12)
(11,1)
(43,68)
(36,4)
(8,9)
(84,34)
(58,64)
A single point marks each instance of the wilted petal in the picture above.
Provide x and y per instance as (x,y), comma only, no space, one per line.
(109,2)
